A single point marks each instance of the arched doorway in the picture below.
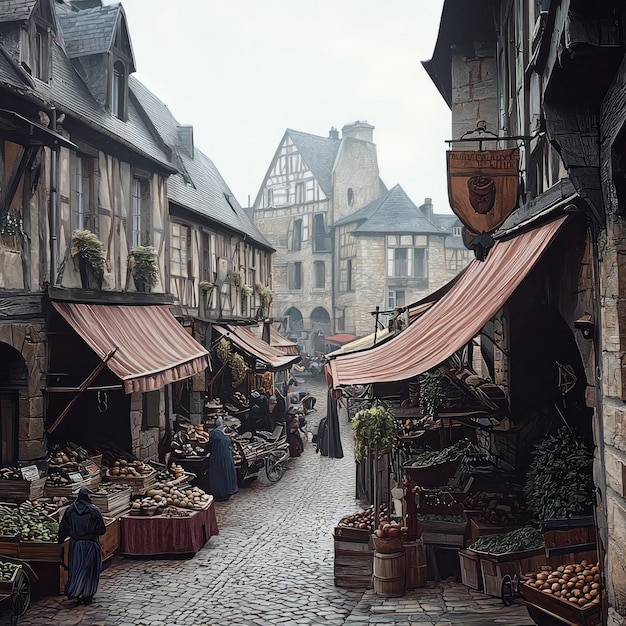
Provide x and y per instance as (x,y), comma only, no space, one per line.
(13,379)
(295,323)
(320,325)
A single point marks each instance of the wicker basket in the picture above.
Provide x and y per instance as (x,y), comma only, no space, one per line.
(388,545)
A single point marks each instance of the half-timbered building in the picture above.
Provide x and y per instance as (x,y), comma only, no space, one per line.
(87,350)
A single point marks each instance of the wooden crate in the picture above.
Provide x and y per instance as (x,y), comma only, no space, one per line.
(43,551)
(493,568)
(69,491)
(478,529)
(568,612)
(22,489)
(138,484)
(115,501)
(110,541)
(353,533)
(6,586)
(432,476)
(470,570)
(354,562)
(9,546)
(572,557)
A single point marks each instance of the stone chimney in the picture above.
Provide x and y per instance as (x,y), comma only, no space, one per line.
(359,130)
(185,139)
(427,208)
(333,133)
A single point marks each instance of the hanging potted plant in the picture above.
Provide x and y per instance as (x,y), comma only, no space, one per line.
(88,251)
(265,294)
(375,435)
(431,392)
(144,267)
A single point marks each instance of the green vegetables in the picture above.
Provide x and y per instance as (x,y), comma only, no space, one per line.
(436,457)
(526,538)
(7,570)
(435,517)
(28,523)
(374,432)
(559,483)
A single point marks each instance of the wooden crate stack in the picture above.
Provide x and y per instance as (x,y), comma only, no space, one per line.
(354,558)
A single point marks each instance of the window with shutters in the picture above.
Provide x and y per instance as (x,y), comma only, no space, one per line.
(84,199)
(296,242)
(294,279)
(179,250)
(405,258)
(319,275)
(140,213)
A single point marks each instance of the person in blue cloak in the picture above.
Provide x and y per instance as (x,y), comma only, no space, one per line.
(83,523)
(221,466)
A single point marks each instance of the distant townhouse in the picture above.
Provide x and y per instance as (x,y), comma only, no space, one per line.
(322,205)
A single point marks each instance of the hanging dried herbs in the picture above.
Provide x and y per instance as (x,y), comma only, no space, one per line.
(559,484)
(432,387)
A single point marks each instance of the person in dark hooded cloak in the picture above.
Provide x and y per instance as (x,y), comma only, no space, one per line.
(221,467)
(83,523)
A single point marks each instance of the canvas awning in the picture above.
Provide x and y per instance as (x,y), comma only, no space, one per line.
(283,344)
(363,343)
(340,339)
(153,349)
(451,322)
(247,341)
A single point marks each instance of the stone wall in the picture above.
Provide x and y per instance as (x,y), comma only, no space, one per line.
(145,443)
(30,341)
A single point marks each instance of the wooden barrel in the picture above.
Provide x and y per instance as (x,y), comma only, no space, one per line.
(389,574)
(416,573)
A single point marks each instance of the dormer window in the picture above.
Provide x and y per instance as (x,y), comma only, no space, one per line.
(41,54)
(456,231)
(119,91)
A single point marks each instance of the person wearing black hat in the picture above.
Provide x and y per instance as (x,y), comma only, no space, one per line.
(83,523)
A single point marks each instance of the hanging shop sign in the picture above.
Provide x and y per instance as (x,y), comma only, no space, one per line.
(483,186)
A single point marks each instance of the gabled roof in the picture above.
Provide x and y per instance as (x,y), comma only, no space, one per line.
(206,193)
(92,31)
(16,10)
(319,155)
(68,92)
(393,212)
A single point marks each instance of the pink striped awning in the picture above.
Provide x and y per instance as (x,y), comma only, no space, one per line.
(153,349)
(449,323)
(254,346)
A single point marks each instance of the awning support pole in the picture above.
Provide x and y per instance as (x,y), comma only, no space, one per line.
(81,389)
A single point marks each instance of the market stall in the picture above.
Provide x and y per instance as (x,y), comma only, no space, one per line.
(173,532)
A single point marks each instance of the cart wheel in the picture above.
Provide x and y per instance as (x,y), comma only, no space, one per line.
(20,593)
(274,471)
(507,590)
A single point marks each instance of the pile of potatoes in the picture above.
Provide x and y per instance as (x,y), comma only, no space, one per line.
(578,583)
(131,469)
(167,494)
(364,519)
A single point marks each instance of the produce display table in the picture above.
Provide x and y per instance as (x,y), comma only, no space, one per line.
(161,535)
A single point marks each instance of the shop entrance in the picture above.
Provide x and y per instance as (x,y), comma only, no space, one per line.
(13,378)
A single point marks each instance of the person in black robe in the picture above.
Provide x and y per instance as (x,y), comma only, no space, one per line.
(83,523)
(328,435)
(221,470)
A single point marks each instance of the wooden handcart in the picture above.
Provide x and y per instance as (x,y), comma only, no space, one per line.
(15,594)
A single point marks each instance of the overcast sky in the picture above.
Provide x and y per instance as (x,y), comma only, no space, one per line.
(243,71)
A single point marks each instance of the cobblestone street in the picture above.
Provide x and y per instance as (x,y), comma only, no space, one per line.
(272,563)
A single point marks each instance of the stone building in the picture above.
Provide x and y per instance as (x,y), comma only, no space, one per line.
(317,190)
(391,253)
(550,79)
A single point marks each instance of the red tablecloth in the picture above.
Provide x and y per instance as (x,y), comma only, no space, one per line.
(147,536)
